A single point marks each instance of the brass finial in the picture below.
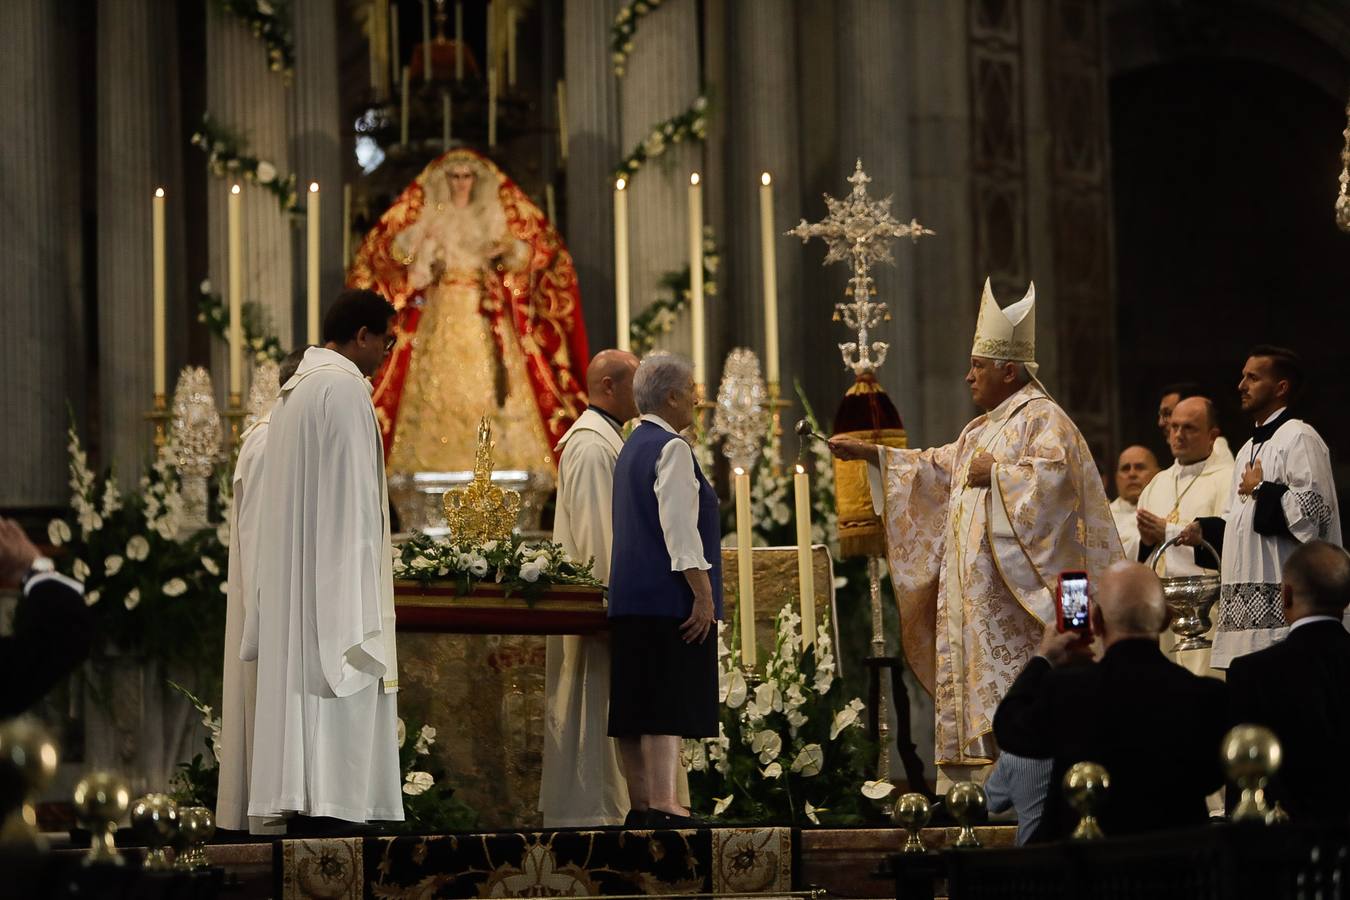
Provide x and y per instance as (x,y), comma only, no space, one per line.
(154,819)
(967,803)
(196,826)
(1085,785)
(30,756)
(481,511)
(1251,754)
(101,799)
(912,812)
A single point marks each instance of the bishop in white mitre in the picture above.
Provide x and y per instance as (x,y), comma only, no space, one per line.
(325,742)
(240,671)
(1282,494)
(1197,485)
(1135,468)
(978,530)
(581,783)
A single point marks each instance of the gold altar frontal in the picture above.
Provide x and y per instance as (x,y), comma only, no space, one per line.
(473,668)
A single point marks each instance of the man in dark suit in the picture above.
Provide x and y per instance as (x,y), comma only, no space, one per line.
(1153,725)
(52,626)
(1300,687)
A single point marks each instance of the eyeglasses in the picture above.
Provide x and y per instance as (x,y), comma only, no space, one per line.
(389,341)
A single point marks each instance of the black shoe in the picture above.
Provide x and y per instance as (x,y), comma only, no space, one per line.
(659,818)
(636,818)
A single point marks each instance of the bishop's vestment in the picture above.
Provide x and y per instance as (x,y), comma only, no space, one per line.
(325,741)
(1295,503)
(975,569)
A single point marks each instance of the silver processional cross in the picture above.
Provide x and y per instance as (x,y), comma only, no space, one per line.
(861,229)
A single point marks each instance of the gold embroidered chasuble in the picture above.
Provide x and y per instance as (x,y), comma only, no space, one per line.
(975,569)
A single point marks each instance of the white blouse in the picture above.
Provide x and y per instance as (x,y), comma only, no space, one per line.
(677,501)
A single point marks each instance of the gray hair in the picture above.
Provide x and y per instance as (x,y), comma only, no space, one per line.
(658,375)
(1023,376)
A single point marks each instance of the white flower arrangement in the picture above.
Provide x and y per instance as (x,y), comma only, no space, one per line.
(516,565)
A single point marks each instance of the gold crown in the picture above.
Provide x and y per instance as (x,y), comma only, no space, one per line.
(481,511)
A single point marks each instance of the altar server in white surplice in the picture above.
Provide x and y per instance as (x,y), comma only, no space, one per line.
(1282,495)
(1198,484)
(240,675)
(978,531)
(1134,470)
(325,743)
(581,784)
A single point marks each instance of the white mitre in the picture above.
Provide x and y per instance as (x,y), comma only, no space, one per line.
(1008,334)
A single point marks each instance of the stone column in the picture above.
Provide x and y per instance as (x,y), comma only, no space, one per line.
(316,148)
(39,187)
(139,149)
(762,116)
(661,80)
(593,149)
(243,94)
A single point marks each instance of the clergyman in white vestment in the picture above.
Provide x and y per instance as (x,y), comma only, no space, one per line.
(325,742)
(1283,495)
(581,783)
(1198,484)
(1135,468)
(240,672)
(977,532)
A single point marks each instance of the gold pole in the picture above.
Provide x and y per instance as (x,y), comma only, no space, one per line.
(777,404)
(235,413)
(159,415)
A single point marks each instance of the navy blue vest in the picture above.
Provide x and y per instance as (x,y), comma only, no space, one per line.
(640,580)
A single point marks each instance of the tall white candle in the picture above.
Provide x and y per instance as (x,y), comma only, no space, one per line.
(312,267)
(562,119)
(426,41)
(157,282)
(770,265)
(806,581)
(696,278)
(346,226)
(236,276)
(459,40)
(403,120)
(745,568)
(395,56)
(445,120)
(621,300)
(492,107)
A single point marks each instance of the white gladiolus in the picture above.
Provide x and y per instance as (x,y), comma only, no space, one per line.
(401,732)
(425,738)
(132,599)
(91,598)
(138,548)
(58,532)
(112,565)
(810,760)
(877,790)
(418,783)
(223,533)
(175,587)
(210,566)
(80,570)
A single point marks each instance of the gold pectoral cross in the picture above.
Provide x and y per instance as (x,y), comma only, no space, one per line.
(1174,516)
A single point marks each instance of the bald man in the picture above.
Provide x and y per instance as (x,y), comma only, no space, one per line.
(1297,687)
(581,784)
(1134,470)
(1154,726)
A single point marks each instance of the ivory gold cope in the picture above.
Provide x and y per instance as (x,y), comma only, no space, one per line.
(745,568)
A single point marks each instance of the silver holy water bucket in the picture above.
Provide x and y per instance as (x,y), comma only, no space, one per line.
(1190,598)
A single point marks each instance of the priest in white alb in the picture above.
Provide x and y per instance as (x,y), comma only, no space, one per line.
(1197,484)
(978,530)
(1282,495)
(325,742)
(240,672)
(581,784)
(1134,470)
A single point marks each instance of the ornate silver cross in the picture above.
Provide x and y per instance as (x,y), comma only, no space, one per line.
(860,228)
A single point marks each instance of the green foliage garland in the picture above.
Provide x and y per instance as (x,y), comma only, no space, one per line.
(227,156)
(692,124)
(659,317)
(258,337)
(624,27)
(270,22)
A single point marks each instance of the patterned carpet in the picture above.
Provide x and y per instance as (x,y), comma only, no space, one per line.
(537,864)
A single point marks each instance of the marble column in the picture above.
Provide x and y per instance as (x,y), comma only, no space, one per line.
(593,149)
(316,147)
(243,94)
(662,80)
(762,120)
(39,186)
(139,149)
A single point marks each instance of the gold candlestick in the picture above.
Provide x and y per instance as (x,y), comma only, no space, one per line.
(159,414)
(701,408)
(777,404)
(235,412)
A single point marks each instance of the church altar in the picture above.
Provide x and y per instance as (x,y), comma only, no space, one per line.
(442,608)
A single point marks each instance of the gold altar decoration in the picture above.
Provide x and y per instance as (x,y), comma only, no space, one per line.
(28,758)
(1085,787)
(912,812)
(968,803)
(481,512)
(101,800)
(1251,754)
(154,821)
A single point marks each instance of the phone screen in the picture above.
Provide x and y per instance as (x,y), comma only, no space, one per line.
(1073,600)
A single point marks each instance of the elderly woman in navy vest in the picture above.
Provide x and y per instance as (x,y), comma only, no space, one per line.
(665,592)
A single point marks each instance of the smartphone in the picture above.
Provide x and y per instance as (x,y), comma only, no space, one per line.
(1073,602)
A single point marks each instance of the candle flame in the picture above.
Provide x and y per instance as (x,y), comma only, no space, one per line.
(693,179)
(739,471)
(159,192)
(766,179)
(801,470)
(313,187)
(620,185)
(235,189)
